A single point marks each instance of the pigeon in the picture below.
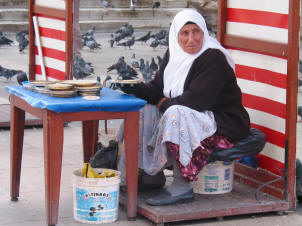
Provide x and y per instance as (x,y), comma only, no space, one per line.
(4,40)
(163,42)
(21,38)
(81,69)
(160,35)
(106,4)
(142,64)
(21,77)
(154,44)
(122,29)
(300,113)
(92,45)
(90,32)
(144,38)
(8,73)
(134,61)
(111,41)
(300,66)
(86,38)
(127,73)
(153,65)
(119,36)
(117,66)
(129,31)
(128,43)
(147,72)
(156,5)
(132,4)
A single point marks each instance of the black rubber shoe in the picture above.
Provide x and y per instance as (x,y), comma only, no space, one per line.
(165,198)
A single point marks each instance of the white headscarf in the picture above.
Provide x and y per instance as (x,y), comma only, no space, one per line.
(180,62)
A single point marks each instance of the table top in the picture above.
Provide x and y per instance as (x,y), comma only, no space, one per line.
(110,101)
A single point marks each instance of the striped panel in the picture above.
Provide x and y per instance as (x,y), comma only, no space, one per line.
(260,61)
(262,79)
(270,164)
(52,63)
(52,23)
(53,43)
(263,90)
(51,72)
(56,4)
(52,53)
(275,6)
(257,32)
(262,20)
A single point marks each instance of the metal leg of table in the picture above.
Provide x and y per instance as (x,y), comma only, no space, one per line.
(53,150)
(16,147)
(131,135)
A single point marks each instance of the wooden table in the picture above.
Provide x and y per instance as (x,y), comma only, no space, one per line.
(22,101)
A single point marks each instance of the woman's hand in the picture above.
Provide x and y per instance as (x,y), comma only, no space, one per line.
(161,101)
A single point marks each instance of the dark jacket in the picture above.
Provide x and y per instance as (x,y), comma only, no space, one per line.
(210,85)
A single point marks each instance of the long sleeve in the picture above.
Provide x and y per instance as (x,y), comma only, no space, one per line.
(205,82)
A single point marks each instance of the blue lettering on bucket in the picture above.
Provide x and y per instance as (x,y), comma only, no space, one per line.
(96,206)
(227,173)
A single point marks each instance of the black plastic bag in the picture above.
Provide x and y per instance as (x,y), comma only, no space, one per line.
(105,156)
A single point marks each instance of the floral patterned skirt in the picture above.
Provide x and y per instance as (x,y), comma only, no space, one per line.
(200,155)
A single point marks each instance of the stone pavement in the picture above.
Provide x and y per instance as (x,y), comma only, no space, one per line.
(30,209)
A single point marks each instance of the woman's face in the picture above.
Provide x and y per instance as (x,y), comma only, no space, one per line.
(190,38)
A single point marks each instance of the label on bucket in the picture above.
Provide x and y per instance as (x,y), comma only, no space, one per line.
(96,205)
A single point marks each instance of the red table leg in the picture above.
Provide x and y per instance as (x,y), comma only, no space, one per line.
(53,149)
(16,146)
(90,131)
(131,135)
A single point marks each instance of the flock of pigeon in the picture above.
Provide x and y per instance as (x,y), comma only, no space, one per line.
(128,72)
(22,40)
(122,37)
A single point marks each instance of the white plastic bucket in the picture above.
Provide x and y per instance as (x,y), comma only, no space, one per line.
(215,178)
(95,200)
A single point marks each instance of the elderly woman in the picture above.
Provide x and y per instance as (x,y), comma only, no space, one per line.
(194,107)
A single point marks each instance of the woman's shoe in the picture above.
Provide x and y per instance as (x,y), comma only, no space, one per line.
(165,198)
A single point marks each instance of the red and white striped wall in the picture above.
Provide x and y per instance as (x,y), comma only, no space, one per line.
(262,78)
(53,42)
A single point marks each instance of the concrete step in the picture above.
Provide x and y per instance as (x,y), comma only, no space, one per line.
(13,14)
(13,4)
(100,14)
(101,26)
(96,3)
(146,3)
(128,14)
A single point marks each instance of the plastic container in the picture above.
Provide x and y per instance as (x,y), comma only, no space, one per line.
(215,178)
(95,200)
